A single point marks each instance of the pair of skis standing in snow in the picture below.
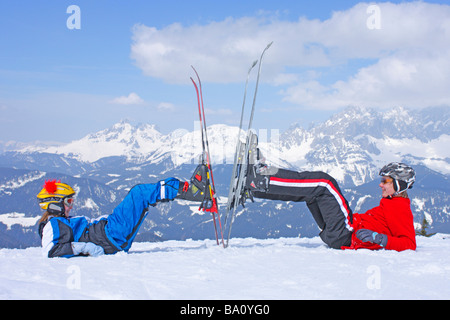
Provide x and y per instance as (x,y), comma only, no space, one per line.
(65,236)
(245,156)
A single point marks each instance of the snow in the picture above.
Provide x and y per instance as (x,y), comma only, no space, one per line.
(361,202)
(271,269)
(20,182)
(10,219)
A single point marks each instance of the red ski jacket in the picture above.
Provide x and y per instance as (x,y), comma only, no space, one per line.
(393,217)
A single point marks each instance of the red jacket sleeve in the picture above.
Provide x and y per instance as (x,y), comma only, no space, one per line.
(400,222)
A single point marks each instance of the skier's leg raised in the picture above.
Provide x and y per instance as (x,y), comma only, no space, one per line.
(322,195)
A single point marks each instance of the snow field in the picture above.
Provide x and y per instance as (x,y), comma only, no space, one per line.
(271,269)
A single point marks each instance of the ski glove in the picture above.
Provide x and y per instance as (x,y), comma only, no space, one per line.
(87,248)
(366,235)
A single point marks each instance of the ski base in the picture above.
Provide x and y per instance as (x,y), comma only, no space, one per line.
(210,202)
(238,194)
(246,154)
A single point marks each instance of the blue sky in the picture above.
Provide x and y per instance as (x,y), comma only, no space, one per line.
(131,60)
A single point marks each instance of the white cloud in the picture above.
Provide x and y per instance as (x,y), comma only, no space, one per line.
(219,112)
(132,98)
(412,82)
(408,57)
(166,106)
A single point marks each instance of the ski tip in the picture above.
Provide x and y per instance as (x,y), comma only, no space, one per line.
(254,63)
(268,46)
(195,70)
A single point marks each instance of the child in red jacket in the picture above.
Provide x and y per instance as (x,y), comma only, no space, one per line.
(389,226)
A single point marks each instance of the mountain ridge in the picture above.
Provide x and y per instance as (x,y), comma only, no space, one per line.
(349,146)
(348,141)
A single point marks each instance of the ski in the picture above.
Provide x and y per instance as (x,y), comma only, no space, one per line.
(239,149)
(209,206)
(244,156)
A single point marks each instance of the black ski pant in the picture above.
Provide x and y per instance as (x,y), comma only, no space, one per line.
(323,197)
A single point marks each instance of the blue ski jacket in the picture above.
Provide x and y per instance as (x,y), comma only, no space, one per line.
(113,233)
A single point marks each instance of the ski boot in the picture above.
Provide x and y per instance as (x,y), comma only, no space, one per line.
(197,189)
(258,172)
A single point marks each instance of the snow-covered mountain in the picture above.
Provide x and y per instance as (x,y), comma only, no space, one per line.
(351,146)
(143,143)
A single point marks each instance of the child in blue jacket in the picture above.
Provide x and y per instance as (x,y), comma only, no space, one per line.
(64,236)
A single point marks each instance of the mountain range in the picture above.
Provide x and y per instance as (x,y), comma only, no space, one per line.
(352,146)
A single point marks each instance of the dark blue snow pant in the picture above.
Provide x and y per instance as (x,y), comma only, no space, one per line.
(322,196)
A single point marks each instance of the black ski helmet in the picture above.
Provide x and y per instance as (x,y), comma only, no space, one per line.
(403,175)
